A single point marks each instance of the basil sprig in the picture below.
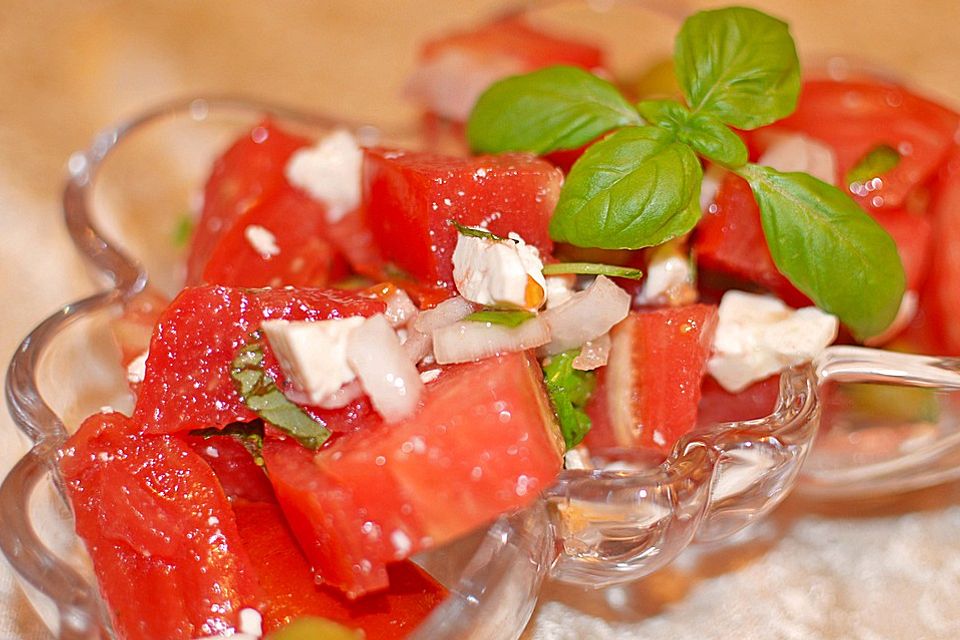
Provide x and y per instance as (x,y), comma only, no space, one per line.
(261,395)
(639,185)
(569,390)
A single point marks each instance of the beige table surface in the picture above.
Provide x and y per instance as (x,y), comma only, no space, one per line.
(69,68)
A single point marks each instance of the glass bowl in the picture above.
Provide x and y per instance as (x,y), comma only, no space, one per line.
(628,517)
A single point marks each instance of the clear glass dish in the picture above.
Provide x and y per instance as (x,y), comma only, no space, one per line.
(122,203)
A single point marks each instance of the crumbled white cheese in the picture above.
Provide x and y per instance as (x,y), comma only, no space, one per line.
(559,289)
(330,172)
(429,375)
(796,152)
(401,544)
(313,355)
(758,336)
(251,622)
(137,369)
(668,272)
(498,272)
(262,241)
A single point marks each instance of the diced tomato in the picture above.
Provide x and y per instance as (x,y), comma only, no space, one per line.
(247,173)
(188,384)
(455,69)
(411,198)
(379,495)
(292,591)
(940,299)
(566,158)
(856,117)
(297,226)
(651,385)
(238,473)
(134,327)
(719,405)
(730,239)
(160,531)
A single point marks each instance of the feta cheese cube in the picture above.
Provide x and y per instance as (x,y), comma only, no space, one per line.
(330,172)
(559,289)
(505,273)
(262,241)
(758,336)
(796,152)
(669,278)
(313,355)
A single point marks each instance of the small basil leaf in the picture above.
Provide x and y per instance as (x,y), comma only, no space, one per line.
(510,319)
(739,65)
(829,248)
(261,395)
(569,390)
(558,107)
(474,232)
(667,114)
(714,140)
(592,269)
(874,163)
(637,188)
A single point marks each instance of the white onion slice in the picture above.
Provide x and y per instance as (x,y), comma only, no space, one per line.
(447,312)
(400,308)
(586,315)
(594,354)
(417,346)
(384,369)
(468,341)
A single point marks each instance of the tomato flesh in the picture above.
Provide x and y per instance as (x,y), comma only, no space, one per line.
(380,495)
(247,173)
(651,385)
(412,197)
(160,532)
(187,383)
(719,405)
(855,117)
(292,591)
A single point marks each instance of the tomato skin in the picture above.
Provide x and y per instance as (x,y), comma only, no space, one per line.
(292,592)
(187,383)
(410,198)
(305,258)
(650,389)
(719,405)
(855,117)
(238,474)
(160,531)
(382,494)
(247,173)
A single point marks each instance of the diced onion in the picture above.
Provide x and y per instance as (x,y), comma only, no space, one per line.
(400,308)
(468,341)
(594,354)
(586,315)
(447,312)
(417,346)
(384,369)
(342,396)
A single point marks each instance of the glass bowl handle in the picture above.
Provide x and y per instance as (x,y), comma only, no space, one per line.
(860,364)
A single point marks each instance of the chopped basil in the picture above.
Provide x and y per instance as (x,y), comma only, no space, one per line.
(592,269)
(498,316)
(874,163)
(183,230)
(249,434)
(569,391)
(261,395)
(474,232)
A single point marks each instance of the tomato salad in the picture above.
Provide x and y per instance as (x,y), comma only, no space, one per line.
(379,350)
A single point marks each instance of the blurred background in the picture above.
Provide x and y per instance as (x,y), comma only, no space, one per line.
(68,69)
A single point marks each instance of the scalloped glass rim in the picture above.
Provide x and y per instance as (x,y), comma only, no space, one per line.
(593,528)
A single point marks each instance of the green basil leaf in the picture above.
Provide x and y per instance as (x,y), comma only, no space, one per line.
(666,114)
(183,231)
(874,163)
(592,269)
(249,434)
(829,248)
(714,140)
(498,316)
(739,65)
(558,107)
(261,395)
(474,232)
(637,188)
(569,390)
